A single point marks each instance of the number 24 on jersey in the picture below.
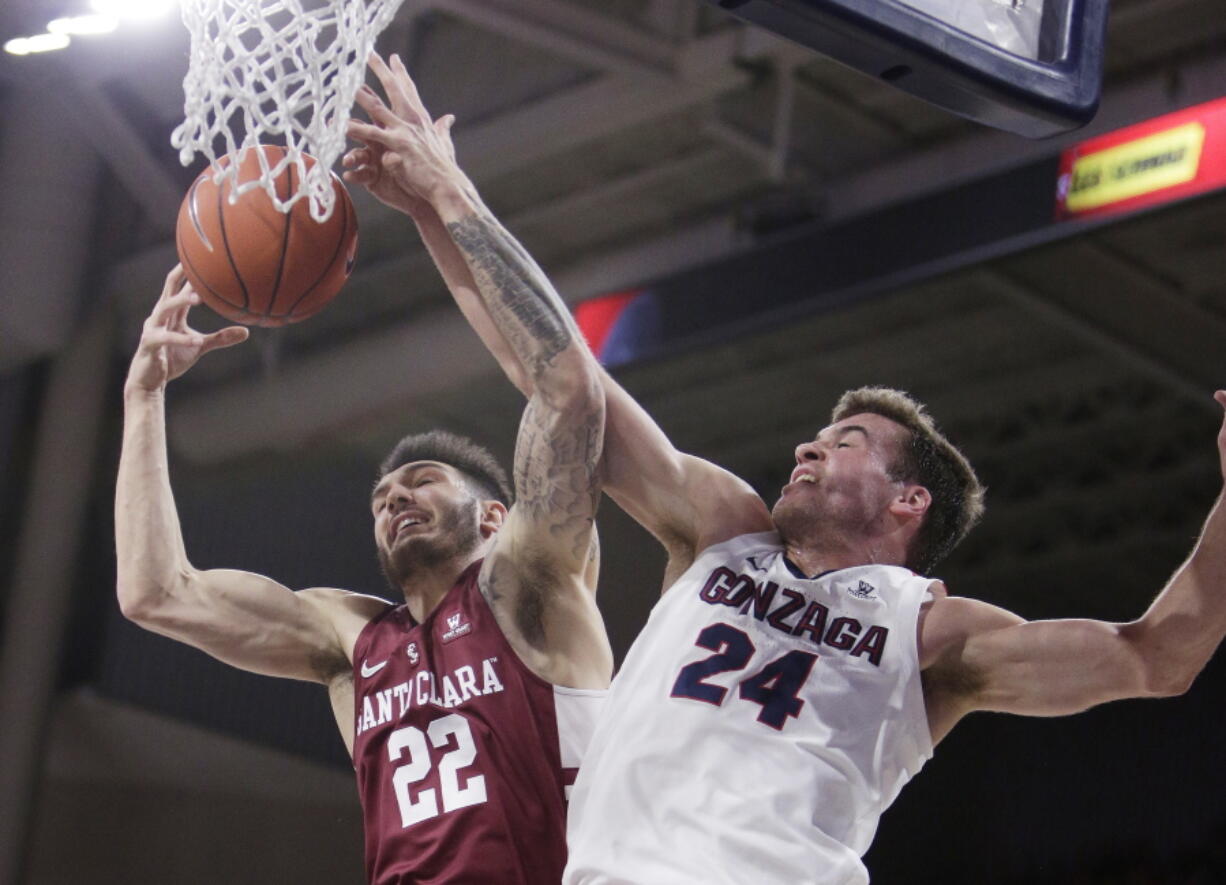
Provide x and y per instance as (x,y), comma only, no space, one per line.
(775,687)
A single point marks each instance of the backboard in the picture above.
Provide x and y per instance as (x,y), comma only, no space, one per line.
(1033,67)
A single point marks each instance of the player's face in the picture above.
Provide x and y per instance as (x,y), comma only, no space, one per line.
(841,479)
(425,514)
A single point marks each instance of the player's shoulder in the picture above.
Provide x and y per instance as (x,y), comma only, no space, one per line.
(347,612)
(948,621)
(337,603)
(725,505)
(967,609)
(708,478)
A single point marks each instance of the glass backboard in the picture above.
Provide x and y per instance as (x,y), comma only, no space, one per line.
(1033,67)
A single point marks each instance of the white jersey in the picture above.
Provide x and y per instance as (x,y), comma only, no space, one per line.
(760,725)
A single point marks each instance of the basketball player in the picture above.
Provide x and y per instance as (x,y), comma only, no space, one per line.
(467,707)
(799,669)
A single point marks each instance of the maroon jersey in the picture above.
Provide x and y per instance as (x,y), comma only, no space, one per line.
(464,757)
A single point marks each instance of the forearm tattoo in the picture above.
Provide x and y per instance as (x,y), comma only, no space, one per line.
(557,488)
(557,482)
(529,313)
(556,477)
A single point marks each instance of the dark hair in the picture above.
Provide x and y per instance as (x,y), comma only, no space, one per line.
(928,458)
(481,469)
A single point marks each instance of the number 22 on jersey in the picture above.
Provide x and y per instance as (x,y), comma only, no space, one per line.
(410,742)
(774,687)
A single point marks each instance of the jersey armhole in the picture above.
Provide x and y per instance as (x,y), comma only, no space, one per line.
(914,605)
(740,545)
(362,642)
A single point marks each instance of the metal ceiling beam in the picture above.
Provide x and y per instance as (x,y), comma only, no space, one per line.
(1099,337)
(642,263)
(737,139)
(676,18)
(39,597)
(49,178)
(598,109)
(621,188)
(586,38)
(1004,391)
(123,149)
(594,110)
(330,394)
(989,152)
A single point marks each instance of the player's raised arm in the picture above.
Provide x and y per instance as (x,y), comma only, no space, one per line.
(985,658)
(535,577)
(243,619)
(687,503)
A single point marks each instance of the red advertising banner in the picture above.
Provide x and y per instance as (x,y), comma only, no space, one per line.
(1167,158)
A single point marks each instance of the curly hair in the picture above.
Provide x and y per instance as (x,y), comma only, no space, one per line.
(484,474)
(925,457)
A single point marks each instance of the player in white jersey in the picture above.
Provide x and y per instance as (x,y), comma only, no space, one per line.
(773,706)
(798,670)
(752,692)
(711,765)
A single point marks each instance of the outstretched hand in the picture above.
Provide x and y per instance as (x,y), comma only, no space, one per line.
(405,156)
(168,345)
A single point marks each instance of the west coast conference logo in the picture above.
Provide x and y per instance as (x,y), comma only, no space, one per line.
(456,627)
(863,590)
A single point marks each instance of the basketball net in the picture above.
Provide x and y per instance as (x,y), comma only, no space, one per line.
(276,70)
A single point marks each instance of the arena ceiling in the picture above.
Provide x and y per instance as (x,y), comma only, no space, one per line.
(626,142)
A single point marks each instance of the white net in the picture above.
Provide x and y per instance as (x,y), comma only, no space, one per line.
(276,71)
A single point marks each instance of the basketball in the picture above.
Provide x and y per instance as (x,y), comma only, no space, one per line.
(254,264)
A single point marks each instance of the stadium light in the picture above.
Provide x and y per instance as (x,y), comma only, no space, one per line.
(37,43)
(81,25)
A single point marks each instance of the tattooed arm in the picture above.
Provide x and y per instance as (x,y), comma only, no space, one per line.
(686,502)
(537,572)
(535,577)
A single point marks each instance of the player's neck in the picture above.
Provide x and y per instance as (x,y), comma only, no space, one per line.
(426,587)
(815,558)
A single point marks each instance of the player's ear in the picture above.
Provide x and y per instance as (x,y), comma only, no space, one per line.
(493,515)
(913,501)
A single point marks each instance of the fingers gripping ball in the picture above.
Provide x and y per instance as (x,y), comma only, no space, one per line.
(258,266)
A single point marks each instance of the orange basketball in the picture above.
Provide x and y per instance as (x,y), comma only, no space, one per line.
(258,266)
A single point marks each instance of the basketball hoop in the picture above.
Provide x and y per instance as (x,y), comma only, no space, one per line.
(276,70)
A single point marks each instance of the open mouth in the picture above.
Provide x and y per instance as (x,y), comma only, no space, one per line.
(404,522)
(800,475)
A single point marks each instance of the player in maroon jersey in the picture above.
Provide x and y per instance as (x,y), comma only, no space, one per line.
(466,708)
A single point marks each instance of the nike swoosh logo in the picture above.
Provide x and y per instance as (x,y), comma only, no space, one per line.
(368,671)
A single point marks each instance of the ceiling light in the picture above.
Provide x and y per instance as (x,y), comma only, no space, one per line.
(83,24)
(38,43)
